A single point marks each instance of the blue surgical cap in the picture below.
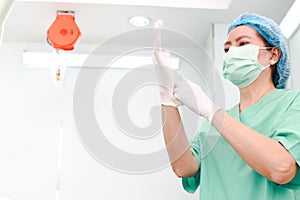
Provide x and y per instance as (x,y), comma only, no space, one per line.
(271,32)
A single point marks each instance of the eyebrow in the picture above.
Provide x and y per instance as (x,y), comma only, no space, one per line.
(237,39)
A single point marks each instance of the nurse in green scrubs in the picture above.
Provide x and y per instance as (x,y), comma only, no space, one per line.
(257,155)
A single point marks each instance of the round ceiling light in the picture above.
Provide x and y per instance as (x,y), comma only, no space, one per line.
(139,21)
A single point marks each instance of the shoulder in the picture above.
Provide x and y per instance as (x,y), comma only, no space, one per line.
(285,100)
(289,92)
(290,95)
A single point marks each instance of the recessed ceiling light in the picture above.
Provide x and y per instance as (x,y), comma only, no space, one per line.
(139,21)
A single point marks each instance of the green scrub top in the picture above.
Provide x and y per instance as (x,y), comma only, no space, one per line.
(223,175)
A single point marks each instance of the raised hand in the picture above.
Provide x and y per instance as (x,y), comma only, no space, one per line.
(163,66)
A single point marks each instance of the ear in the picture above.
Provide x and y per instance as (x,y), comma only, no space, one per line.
(275,55)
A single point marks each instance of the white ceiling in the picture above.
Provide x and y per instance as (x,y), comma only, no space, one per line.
(29,20)
(211,4)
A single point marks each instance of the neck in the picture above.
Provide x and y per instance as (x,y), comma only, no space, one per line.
(254,92)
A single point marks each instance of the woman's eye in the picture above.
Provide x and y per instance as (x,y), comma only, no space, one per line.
(226,49)
(243,43)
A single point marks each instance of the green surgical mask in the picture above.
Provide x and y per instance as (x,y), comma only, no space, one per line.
(240,65)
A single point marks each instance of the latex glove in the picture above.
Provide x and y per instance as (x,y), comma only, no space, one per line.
(164,70)
(192,95)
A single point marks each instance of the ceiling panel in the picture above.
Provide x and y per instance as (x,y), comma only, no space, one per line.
(203,4)
(29,20)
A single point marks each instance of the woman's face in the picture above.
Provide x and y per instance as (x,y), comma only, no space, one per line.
(243,35)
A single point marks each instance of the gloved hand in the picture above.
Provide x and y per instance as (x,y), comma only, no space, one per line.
(164,70)
(192,95)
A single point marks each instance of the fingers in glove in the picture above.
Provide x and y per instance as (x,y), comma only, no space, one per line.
(157,34)
(161,57)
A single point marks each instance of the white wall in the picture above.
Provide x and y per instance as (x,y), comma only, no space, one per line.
(30,105)
(209,43)
(28,131)
(294,49)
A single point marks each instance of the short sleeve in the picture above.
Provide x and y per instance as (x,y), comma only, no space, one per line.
(191,184)
(287,132)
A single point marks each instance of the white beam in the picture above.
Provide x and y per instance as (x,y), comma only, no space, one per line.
(201,4)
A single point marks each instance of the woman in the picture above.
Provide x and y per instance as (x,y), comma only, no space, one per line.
(258,153)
